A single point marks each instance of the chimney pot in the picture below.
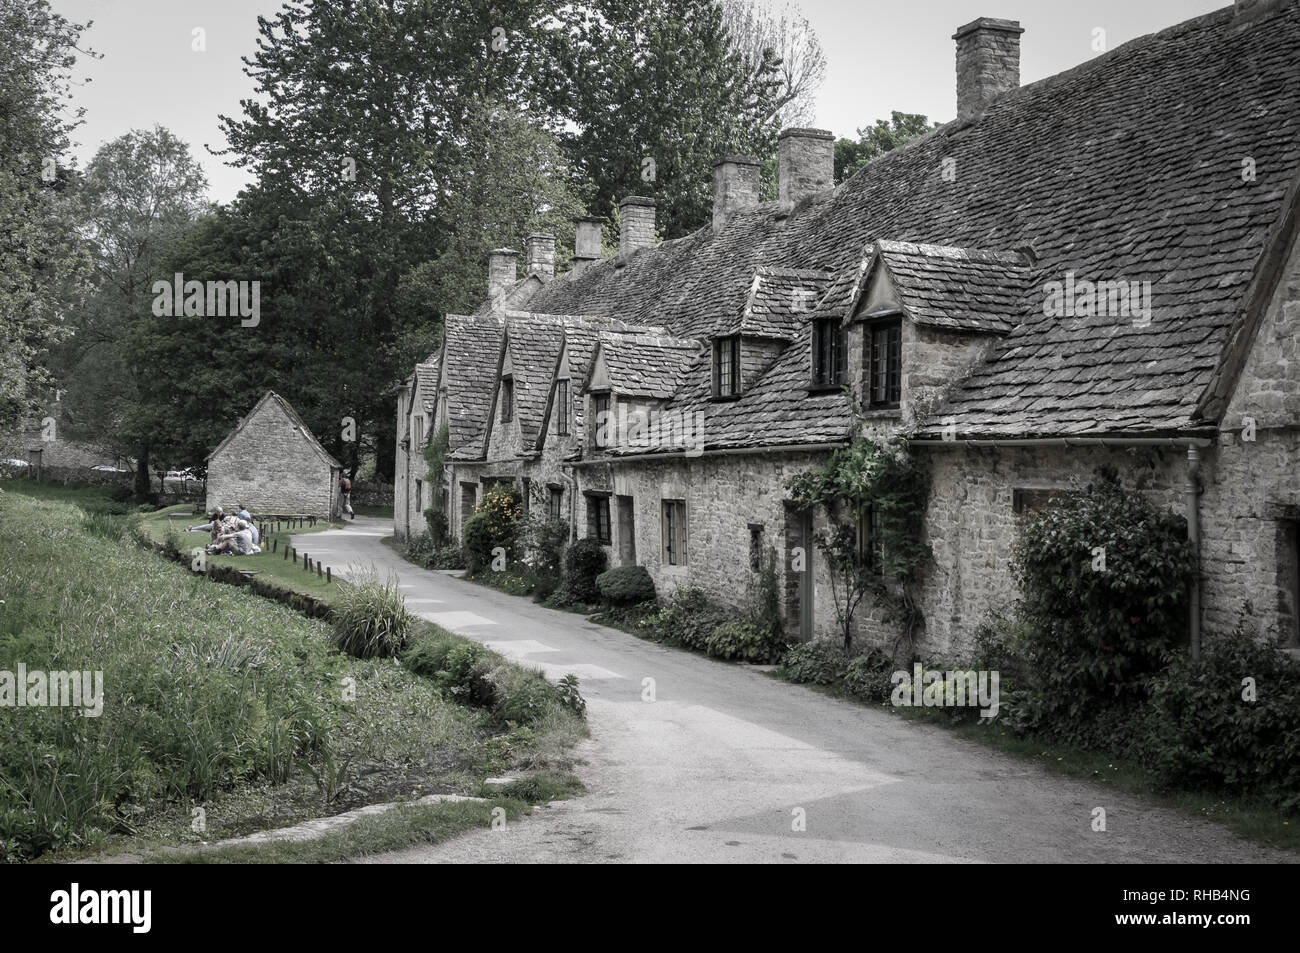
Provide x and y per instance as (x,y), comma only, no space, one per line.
(988,63)
(636,215)
(806,163)
(735,186)
(586,241)
(503,266)
(539,255)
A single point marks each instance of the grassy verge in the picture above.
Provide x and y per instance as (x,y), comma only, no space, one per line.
(223,713)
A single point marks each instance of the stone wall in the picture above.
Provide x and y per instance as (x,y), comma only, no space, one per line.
(271,467)
(1252,495)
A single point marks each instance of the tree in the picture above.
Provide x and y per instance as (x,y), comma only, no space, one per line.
(761,36)
(42,262)
(875,141)
(141,192)
(653,92)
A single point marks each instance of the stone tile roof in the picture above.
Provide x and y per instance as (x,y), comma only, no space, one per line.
(533,343)
(473,346)
(1128,167)
(779,301)
(271,397)
(956,288)
(645,365)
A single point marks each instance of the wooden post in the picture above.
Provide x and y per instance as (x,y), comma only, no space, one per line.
(275,545)
(318,572)
(286,554)
(327,574)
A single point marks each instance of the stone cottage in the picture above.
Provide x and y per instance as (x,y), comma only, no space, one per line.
(1098,268)
(272,464)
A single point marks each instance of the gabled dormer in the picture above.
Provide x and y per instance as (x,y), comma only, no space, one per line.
(922,317)
(779,303)
(630,378)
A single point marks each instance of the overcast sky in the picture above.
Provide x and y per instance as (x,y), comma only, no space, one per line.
(879,57)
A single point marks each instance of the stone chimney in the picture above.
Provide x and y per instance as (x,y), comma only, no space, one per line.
(988,63)
(503,266)
(539,255)
(735,186)
(806,164)
(586,241)
(636,215)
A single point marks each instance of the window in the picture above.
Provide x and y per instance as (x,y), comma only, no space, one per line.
(886,359)
(871,541)
(598,519)
(562,407)
(600,422)
(526,495)
(417,432)
(419,496)
(507,398)
(755,547)
(726,367)
(555,503)
(828,353)
(468,497)
(674,526)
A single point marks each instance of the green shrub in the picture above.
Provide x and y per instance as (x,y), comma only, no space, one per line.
(584,560)
(426,553)
(1202,733)
(743,641)
(437,522)
(370,619)
(688,620)
(464,675)
(1101,631)
(494,525)
(816,663)
(869,676)
(570,697)
(626,586)
(542,542)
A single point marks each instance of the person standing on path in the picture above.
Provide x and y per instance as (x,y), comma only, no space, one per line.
(345,496)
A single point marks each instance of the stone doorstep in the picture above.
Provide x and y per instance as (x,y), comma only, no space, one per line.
(310,830)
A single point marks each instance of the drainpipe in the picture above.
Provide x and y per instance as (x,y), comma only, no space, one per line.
(1194,536)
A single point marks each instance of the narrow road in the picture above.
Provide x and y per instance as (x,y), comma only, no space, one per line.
(726,761)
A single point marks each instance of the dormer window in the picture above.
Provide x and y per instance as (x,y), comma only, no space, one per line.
(827,354)
(885,360)
(507,399)
(726,367)
(562,407)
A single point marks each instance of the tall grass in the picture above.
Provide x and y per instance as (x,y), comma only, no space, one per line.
(370,618)
(204,687)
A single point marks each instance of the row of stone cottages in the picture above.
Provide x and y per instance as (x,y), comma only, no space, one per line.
(1098,268)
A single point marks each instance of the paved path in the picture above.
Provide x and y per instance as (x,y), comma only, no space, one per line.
(725,760)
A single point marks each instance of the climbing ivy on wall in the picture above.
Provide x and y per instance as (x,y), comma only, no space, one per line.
(861,480)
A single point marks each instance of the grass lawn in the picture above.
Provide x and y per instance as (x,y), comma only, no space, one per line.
(223,713)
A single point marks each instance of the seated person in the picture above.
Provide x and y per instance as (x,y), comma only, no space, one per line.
(213,524)
(243,513)
(237,542)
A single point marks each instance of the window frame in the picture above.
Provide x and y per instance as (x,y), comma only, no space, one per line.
(731,346)
(674,532)
(828,364)
(599,504)
(563,405)
(597,398)
(871,544)
(555,502)
(507,398)
(892,331)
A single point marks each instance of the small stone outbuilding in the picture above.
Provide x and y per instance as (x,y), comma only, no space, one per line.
(272,464)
